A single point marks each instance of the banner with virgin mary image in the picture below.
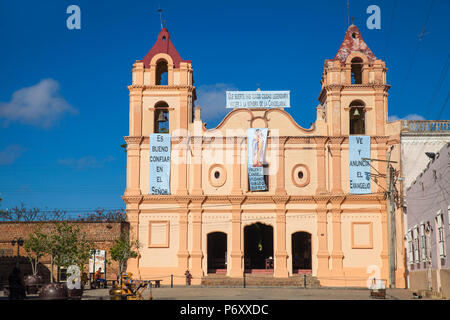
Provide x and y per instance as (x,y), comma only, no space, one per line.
(256,149)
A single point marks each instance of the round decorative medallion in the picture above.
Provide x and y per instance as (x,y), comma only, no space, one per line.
(300,175)
(217,175)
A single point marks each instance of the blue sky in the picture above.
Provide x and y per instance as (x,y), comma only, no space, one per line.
(64,98)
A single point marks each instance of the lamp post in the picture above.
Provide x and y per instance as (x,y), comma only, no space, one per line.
(19,242)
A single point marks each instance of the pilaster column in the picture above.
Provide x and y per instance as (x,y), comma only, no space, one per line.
(170,74)
(182,114)
(379,111)
(197,165)
(183,253)
(381,165)
(196,254)
(281,188)
(181,167)
(337,255)
(236,188)
(153,75)
(385,246)
(280,266)
(133,165)
(135,111)
(320,158)
(133,219)
(335,96)
(335,149)
(322,253)
(237,268)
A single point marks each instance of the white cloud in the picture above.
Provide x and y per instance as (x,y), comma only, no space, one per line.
(211,99)
(10,154)
(412,116)
(85,162)
(40,105)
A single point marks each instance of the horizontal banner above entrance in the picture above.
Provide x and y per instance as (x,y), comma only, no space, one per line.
(258,99)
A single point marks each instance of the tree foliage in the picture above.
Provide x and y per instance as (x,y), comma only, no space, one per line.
(69,246)
(123,249)
(36,246)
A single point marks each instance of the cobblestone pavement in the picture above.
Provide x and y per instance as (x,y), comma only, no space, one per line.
(253,293)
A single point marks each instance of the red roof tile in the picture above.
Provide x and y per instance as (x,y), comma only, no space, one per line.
(163,45)
(353,41)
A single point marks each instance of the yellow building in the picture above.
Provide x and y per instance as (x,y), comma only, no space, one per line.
(307,221)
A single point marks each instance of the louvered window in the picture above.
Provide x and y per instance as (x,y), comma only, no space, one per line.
(416,244)
(441,234)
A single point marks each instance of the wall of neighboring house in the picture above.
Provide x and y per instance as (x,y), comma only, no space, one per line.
(428,228)
(102,234)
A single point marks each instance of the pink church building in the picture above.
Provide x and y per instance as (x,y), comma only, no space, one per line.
(307,221)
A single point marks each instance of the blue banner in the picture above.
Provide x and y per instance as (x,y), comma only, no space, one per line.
(256,148)
(359,170)
(159,163)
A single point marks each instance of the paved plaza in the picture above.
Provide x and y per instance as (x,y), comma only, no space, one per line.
(251,293)
(256,293)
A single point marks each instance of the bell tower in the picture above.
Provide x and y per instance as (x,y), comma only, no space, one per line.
(162,91)
(354,89)
(162,98)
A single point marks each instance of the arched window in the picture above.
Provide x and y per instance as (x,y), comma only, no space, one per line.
(357,64)
(357,118)
(161,118)
(161,73)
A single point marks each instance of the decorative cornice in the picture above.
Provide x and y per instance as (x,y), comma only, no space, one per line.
(286,139)
(132,199)
(252,199)
(280,199)
(133,139)
(265,117)
(337,141)
(155,87)
(340,87)
(236,199)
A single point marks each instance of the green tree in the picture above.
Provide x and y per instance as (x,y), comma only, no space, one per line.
(36,246)
(69,246)
(122,250)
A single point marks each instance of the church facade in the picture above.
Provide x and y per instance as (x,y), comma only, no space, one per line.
(307,221)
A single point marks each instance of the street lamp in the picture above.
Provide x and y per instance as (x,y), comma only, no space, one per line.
(19,242)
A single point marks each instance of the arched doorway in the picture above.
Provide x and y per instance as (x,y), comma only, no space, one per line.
(301,252)
(217,252)
(258,248)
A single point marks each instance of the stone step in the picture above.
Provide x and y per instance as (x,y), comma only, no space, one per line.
(260,280)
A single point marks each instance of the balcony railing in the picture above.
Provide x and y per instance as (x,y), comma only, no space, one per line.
(426,126)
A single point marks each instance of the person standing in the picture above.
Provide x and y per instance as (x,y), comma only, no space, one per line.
(16,285)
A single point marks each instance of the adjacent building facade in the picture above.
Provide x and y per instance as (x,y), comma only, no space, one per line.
(428,228)
(307,221)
